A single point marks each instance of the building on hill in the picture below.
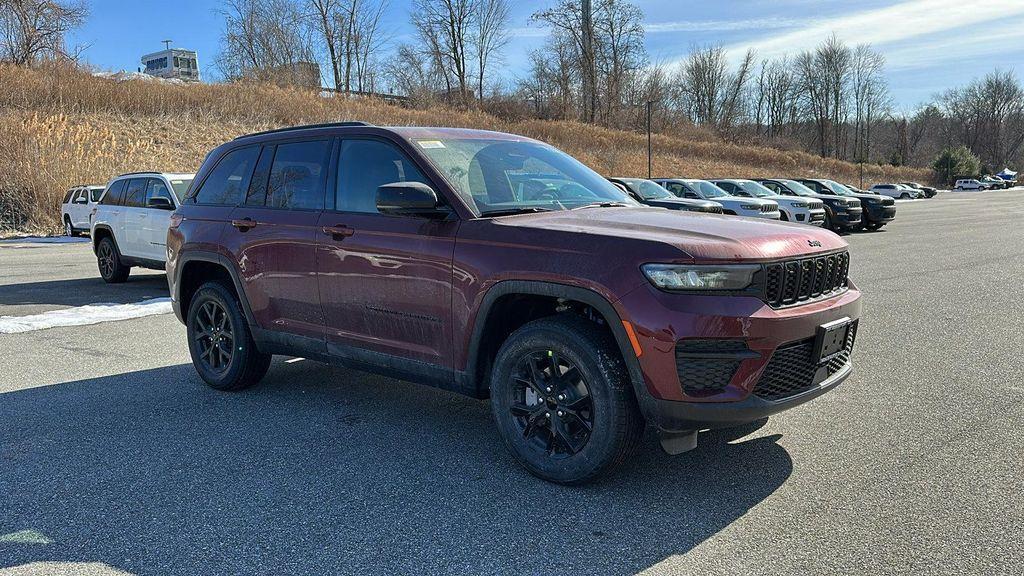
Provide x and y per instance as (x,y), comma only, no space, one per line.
(173,63)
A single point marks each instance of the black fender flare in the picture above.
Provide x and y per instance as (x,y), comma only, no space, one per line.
(554,290)
(93,240)
(213,258)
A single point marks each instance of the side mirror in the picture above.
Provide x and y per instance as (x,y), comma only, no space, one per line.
(160,203)
(409,199)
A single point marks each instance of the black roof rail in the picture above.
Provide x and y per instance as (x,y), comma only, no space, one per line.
(137,173)
(307,126)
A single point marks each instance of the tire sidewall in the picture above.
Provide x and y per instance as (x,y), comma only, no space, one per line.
(107,240)
(600,449)
(227,379)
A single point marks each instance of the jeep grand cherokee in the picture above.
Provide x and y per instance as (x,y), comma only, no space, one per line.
(497,266)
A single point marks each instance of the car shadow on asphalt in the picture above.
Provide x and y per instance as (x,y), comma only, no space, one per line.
(82,291)
(327,470)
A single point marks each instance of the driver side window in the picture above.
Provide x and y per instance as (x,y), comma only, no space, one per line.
(365,165)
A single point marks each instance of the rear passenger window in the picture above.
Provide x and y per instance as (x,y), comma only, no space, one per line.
(114,192)
(67,197)
(227,182)
(135,194)
(363,166)
(96,193)
(298,175)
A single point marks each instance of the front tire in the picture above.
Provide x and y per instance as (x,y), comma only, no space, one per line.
(563,402)
(69,230)
(108,259)
(220,342)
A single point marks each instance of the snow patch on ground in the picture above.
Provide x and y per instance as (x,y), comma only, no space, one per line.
(84,315)
(45,240)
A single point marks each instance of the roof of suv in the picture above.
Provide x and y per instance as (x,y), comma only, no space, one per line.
(164,174)
(406,132)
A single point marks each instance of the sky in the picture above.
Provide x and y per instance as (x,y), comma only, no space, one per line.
(929,45)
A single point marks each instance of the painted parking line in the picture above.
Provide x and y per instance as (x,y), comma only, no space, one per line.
(84,315)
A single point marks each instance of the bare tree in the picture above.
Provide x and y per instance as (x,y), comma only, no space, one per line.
(326,12)
(32,31)
(445,30)
(709,91)
(775,97)
(269,40)
(870,98)
(490,23)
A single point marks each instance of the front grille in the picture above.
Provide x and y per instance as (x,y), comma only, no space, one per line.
(815,205)
(713,209)
(768,208)
(792,369)
(797,281)
(888,201)
(705,367)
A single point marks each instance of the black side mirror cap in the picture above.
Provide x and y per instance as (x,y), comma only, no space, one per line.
(409,199)
(160,203)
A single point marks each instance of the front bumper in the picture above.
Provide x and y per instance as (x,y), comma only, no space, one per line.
(879,214)
(849,218)
(662,322)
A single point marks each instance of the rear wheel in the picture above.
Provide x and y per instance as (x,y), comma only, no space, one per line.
(563,402)
(219,340)
(108,258)
(904,196)
(69,230)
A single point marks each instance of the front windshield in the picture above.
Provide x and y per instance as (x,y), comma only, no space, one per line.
(797,188)
(496,176)
(649,190)
(180,186)
(838,188)
(754,189)
(707,189)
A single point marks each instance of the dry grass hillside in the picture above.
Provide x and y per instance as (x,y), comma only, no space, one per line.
(64,127)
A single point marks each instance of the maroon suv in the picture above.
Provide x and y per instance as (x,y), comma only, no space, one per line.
(497,266)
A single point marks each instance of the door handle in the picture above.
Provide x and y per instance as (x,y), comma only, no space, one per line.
(244,224)
(339,232)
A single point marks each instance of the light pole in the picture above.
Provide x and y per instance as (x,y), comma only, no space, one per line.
(649,162)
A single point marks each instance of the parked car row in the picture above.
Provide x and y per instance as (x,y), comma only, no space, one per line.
(817,202)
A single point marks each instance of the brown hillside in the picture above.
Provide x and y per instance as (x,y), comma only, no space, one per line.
(64,127)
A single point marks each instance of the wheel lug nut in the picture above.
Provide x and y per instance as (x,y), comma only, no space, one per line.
(560,413)
(561,396)
(548,388)
(547,414)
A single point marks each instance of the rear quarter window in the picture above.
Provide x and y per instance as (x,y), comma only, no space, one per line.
(114,193)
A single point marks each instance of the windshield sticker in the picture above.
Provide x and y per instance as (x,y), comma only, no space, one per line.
(430,144)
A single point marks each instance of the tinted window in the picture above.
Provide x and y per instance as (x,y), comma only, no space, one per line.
(226,182)
(135,194)
(67,197)
(157,188)
(257,194)
(363,166)
(298,174)
(81,197)
(114,192)
(96,193)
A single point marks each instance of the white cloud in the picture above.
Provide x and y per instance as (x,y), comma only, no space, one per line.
(722,25)
(912,19)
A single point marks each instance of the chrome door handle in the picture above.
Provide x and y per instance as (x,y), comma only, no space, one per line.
(244,224)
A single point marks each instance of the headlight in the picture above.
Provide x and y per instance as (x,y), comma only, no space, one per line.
(799,204)
(750,206)
(699,277)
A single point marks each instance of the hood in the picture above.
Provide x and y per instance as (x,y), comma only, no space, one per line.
(680,203)
(699,236)
(737,200)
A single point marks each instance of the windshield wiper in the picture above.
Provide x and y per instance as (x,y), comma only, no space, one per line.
(519,210)
(603,205)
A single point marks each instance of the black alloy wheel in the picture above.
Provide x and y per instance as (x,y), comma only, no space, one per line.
(552,406)
(69,230)
(105,256)
(214,336)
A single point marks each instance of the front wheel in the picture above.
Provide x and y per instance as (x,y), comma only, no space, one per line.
(219,340)
(108,259)
(69,230)
(563,402)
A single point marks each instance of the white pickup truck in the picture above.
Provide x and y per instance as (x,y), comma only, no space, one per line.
(130,222)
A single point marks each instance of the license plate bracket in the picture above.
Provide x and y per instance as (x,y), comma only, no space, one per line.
(830,339)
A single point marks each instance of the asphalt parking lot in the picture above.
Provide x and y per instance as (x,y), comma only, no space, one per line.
(115,458)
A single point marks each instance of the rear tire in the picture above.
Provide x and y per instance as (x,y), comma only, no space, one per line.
(574,426)
(220,342)
(904,196)
(69,230)
(108,259)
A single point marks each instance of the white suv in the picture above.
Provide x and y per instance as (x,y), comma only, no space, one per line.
(896,191)
(129,225)
(77,208)
(792,208)
(970,184)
